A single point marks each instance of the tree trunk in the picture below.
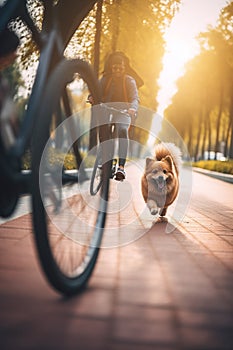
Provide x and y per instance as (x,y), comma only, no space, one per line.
(97,37)
(190,143)
(209,136)
(227,138)
(200,127)
(93,130)
(231,137)
(216,148)
(116,26)
(204,138)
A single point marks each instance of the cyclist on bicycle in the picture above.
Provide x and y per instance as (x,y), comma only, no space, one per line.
(118,86)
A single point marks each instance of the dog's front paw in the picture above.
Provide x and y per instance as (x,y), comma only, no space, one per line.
(162,219)
(154,211)
(152,205)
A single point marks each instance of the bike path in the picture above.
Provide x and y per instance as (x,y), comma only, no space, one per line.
(161,291)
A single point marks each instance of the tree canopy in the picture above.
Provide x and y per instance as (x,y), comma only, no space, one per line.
(136,28)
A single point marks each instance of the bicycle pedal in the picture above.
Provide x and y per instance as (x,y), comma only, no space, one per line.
(112,175)
(113,172)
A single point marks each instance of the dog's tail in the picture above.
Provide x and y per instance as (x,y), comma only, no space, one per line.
(164,149)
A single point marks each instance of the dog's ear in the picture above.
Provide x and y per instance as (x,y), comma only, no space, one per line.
(149,160)
(169,160)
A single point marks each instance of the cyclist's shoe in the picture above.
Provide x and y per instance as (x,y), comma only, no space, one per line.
(120,174)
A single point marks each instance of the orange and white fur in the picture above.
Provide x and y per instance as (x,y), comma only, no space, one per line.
(160,181)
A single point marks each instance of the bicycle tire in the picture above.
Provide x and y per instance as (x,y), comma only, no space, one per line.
(67,280)
(96,176)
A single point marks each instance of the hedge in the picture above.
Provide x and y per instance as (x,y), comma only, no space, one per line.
(225,167)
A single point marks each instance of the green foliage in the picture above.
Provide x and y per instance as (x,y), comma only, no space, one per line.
(13,76)
(133,27)
(60,159)
(26,161)
(81,43)
(28,52)
(15,83)
(216,165)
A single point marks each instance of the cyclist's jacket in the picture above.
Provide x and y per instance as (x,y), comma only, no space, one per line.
(122,89)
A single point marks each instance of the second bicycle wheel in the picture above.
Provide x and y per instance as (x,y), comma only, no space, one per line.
(68,222)
(96,176)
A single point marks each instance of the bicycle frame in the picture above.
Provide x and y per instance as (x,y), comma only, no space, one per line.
(48,43)
(51,41)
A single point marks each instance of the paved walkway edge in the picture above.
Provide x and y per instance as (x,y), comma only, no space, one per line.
(215,174)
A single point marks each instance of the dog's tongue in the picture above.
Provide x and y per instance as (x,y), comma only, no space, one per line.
(161,185)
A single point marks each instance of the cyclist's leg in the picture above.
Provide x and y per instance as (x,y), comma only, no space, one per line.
(106,137)
(122,130)
(123,143)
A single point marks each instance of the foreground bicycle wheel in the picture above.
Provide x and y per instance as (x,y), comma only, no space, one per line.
(68,222)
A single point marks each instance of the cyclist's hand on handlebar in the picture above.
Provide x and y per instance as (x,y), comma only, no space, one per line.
(90,100)
(132,114)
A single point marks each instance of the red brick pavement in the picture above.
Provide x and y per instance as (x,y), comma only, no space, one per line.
(162,291)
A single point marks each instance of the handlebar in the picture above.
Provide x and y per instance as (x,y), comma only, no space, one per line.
(120,111)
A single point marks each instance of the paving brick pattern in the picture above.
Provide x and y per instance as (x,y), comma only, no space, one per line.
(162,291)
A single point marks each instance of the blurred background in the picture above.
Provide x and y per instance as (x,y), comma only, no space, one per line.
(182,50)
